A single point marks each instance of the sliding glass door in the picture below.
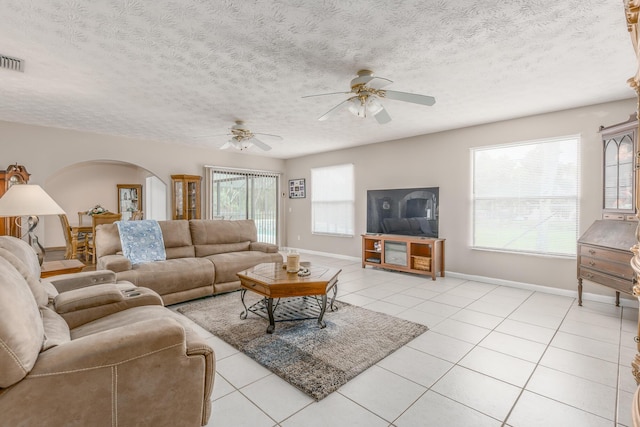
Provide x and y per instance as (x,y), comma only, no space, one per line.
(245,194)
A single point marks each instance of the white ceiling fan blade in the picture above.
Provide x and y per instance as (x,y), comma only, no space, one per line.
(366,76)
(324,94)
(226,145)
(410,97)
(255,141)
(269,136)
(382,116)
(378,82)
(334,110)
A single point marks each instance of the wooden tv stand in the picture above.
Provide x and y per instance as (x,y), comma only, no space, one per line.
(411,254)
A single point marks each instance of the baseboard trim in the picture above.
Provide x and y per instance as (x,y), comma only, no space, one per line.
(586,296)
(329,255)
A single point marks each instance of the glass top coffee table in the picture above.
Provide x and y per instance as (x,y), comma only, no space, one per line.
(297,296)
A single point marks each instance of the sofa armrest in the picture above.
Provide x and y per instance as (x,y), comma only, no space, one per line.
(116,263)
(263,247)
(83,298)
(67,282)
(85,305)
(112,347)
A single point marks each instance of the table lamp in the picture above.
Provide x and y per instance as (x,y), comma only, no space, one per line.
(29,200)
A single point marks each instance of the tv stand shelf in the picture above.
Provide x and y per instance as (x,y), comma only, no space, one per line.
(411,254)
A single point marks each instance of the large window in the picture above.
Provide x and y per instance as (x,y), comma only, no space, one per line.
(332,200)
(525,196)
(245,194)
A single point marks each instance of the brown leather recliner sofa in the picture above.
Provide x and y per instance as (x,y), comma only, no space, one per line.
(84,350)
(203,257)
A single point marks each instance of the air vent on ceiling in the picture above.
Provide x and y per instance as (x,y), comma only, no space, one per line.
(10,63)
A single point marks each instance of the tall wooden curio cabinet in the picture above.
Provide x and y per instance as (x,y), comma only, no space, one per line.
(14,174)
(604,250)
(185,200)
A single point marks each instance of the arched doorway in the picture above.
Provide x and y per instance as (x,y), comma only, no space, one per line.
(81,186)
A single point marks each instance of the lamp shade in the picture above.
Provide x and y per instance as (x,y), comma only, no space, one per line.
(27,199)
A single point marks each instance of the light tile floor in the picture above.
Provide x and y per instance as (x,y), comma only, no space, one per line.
(493,356)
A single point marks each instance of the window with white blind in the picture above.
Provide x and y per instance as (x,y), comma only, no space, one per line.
(525,196)
(332,200)
(244,194)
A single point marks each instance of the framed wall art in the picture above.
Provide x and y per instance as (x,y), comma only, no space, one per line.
(297,189)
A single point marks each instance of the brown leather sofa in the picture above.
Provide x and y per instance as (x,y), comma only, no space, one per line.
(203,257)
(85,350)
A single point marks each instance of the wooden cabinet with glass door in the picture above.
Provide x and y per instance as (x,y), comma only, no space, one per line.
(185,201)
(619,150)
(604,250)
(14,174)
(129,200)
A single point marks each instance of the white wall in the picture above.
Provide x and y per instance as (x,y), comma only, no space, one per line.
(443,160)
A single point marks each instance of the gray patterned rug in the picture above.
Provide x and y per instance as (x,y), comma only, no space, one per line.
(316,361)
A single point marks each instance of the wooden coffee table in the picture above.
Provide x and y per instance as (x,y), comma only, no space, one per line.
(271,281)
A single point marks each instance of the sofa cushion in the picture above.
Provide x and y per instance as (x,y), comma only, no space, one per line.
(23,251)
(39,292)
(21,330)
(177,238)
(264,247)
(222,248)
(208,235)
(172,275)
(107,240)
(228,264)
(56,330)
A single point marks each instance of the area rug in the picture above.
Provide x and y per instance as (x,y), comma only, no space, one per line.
(316,361)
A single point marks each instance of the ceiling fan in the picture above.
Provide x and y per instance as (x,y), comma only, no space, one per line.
(242,138)
(367,91)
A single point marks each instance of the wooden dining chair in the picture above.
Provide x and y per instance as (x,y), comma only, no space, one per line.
(66,230)
(97,219)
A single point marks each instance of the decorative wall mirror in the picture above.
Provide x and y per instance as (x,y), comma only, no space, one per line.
(129,200)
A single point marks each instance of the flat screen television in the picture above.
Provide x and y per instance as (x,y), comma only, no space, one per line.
(403,211)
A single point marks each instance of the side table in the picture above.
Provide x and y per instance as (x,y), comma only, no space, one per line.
(65,266)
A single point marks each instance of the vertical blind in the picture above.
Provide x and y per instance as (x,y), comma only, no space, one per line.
(525,196)
(245,194)
(332,200)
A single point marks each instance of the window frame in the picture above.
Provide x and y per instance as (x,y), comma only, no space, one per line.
(320,195)
(572,201)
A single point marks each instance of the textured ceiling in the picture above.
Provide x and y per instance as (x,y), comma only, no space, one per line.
(182,71)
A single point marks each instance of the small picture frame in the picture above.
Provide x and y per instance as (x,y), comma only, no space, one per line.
(297,189)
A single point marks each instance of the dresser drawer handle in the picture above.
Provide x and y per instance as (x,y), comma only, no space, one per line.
(592,263)
(592,252)
(589,275)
